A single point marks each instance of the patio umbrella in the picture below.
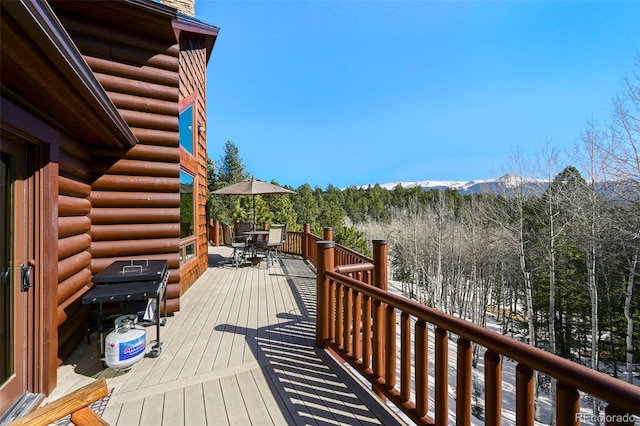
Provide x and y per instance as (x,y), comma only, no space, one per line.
(252,187)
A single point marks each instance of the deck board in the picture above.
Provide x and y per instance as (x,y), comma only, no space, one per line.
(240,351)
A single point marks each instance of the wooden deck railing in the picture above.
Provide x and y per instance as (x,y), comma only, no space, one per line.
(357,318)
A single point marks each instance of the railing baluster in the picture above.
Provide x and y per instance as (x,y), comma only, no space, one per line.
(390,355)
(493,388)
(567,405)
(442,377)
(347,320)
(524,395)
(357,325)
(405,357)
(463,383)
(422,367)
(378,339)
(366,332)
(338,314)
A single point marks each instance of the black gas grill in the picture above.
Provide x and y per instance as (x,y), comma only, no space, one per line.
(131,280)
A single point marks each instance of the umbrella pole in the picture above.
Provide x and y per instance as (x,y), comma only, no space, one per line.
(253,197)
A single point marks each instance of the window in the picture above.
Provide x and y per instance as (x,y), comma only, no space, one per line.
(186,205)
(185,126)
(187,218)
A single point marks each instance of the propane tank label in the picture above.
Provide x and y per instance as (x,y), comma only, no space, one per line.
(132,348)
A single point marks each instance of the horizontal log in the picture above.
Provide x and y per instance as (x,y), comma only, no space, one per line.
(73,225)
(72,332)
(173,291)
(73,245)
(73,284)
(125,248)
(144,152)
(74,167)
(72,206)
(68,309)
(173,263)
(137,168)
(135,199)
(130,54)
(72,265)
(124,36)
(157,137)
(73,187)
(136,183)
(173,305)
(110,216)
(125,101)
(141,73)
(139,88)
(149,120)
(73,148)
(154,153)
(134,231)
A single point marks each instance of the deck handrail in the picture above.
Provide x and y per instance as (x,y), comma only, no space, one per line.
(358,321)
(356,317)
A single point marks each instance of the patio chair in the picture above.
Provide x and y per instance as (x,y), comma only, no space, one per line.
(272,242)
(244,227)
(229,239)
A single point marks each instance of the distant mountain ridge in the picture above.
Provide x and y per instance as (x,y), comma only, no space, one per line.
(501,185)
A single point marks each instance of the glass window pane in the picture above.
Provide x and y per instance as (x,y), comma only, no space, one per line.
(185,125)
(186,205)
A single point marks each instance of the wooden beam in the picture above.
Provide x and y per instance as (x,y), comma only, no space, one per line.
(66,405)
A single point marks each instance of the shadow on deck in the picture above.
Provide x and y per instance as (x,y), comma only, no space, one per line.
(241,351)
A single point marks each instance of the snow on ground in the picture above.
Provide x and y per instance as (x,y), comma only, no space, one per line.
(508,381)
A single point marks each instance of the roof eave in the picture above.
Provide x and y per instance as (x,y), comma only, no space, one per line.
(41,23)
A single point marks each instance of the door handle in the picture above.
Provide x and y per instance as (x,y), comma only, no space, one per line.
(25,276)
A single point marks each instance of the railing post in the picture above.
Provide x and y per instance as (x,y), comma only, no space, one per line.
(325,263)
(214,232)
(328,233)
(305,241)
(380,278)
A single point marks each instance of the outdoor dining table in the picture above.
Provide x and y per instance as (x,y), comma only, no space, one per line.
(252,237)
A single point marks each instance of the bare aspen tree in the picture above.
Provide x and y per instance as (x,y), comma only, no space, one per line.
(622,156)
(509,215)
(555,231)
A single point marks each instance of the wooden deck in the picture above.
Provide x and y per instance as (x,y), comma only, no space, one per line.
(240,352)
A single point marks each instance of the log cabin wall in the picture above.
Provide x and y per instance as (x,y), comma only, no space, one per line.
(74,241)
(193,61)
(134,195)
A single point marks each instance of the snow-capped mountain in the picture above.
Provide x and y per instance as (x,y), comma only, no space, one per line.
(502,185)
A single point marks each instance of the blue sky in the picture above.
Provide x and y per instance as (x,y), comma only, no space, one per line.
(359,92)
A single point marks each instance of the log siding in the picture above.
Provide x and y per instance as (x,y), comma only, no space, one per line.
(74,242)
(94,89)
(121,203)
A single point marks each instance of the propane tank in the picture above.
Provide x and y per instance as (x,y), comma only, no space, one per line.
(126,344)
